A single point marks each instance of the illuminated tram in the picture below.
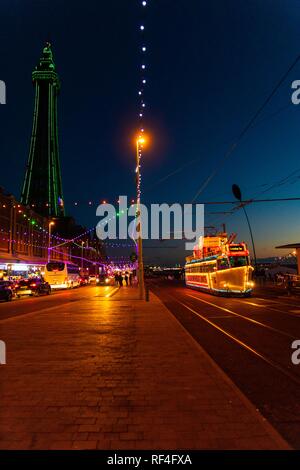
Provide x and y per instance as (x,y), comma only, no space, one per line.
(219,266)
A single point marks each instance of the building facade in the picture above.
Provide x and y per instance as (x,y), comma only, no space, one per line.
(26,239)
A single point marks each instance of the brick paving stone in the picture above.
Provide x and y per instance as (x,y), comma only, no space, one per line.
(83,445)
(118,374)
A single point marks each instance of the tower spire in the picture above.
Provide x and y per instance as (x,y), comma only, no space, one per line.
(42,187)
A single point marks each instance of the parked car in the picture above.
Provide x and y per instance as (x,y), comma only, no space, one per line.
(84,280)
(12,284)
(6,291)
(93,279)
(104,280)
(33,286)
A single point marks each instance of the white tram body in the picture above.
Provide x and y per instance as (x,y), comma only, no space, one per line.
(220,267)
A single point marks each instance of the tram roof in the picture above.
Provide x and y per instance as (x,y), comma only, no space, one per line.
(202,260)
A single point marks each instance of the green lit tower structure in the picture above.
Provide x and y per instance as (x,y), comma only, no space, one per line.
(42,187)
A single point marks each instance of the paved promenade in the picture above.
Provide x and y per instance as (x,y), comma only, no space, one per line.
(118,373)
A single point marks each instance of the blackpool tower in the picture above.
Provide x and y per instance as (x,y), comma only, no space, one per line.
(42,187)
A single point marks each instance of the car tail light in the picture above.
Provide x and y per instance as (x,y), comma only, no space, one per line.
(33,284)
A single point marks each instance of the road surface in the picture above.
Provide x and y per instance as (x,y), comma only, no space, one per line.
(249,338)
(26,305)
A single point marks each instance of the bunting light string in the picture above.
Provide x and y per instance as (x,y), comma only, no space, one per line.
(35,226)
(107,245)
(96,203)
(36,245)
(121,259)
(62,241)
(103,222)
(86,203)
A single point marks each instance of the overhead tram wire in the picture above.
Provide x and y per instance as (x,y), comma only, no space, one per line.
(243,202)
(281,182)
(248,126)
(197,159)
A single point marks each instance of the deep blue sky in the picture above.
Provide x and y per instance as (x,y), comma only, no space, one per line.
(211,65)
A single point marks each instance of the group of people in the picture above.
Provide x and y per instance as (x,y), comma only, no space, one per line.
(119,279)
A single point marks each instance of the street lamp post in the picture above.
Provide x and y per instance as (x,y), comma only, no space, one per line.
(141,280)
(238,195)
(51,223)
(82,244)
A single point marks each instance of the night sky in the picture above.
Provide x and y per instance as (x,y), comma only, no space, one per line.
(210,66)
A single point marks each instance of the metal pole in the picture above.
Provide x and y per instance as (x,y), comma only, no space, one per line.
(49,241)
(139,224)
(298,259)
(11,227)
(250,230)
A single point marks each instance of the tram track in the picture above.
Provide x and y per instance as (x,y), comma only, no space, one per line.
(281,302)
(251,320)
(250,342)
(244,345)
(240,303)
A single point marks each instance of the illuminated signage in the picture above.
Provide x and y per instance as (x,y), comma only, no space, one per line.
(236,248)
(19,267)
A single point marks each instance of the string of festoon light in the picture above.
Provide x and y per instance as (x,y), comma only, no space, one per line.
(77,203)
(143,66)
(44,232)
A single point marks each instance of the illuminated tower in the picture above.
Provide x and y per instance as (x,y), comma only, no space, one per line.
(42,187)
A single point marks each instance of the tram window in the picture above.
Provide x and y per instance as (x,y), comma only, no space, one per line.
(223,263)
(237,261)
(209,268)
